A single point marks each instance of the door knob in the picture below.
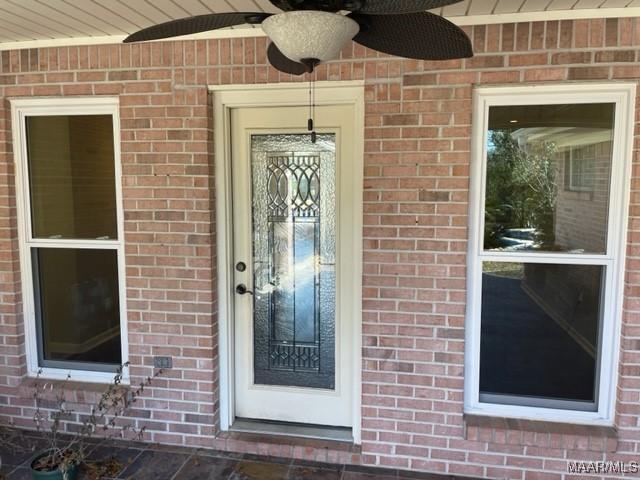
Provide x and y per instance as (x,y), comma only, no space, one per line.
(242,289)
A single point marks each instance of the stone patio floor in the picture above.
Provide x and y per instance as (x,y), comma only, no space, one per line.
(154,462)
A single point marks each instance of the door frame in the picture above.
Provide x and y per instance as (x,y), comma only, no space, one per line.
(225,98)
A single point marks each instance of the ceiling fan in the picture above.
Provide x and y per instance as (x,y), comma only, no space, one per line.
(309,32)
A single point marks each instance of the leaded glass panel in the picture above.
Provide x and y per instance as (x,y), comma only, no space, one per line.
(293,208)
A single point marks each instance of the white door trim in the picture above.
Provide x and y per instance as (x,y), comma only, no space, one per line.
(226,97)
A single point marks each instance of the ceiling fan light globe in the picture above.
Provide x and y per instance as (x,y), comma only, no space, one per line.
(310,34)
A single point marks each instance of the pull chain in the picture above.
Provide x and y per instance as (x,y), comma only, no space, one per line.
(312,108)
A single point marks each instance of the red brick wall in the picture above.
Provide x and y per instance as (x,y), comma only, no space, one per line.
(418,124)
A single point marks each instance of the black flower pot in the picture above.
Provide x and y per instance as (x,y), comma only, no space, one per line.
(56,474)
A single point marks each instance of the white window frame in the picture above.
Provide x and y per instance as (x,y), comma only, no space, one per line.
(623,95)
(69,106)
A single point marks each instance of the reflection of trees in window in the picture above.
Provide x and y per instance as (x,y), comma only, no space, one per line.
(521,189)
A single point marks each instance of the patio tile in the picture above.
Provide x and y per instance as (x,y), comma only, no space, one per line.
(22,473)
(5,470)
(204,452)
(154,465)
(366,476)
(247,470)
(103,453)
(408,475)
(314,473)
(153,462)
(298,462)
(369,470)
(173,449)
(206,468)
(264,458)
(19,454)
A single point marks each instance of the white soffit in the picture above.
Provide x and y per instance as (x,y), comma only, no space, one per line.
(46,23)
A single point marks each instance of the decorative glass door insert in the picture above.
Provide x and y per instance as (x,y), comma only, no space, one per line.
(294,259)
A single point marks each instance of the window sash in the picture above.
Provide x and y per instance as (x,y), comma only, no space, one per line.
(35,211)
(623,95)
(22,108)
(39,319)
(549,403)
(28,206)
(535,98)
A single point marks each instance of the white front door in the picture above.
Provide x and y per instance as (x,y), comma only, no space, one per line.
(293,231)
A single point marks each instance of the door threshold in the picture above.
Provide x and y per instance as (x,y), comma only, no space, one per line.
(286,429)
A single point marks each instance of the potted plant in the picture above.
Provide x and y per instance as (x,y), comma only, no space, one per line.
(64,453)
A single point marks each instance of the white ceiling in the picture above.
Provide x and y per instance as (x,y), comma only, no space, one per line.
(35,23)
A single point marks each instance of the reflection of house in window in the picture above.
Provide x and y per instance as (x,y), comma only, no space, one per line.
(579,168)
(581,214)
(583,170)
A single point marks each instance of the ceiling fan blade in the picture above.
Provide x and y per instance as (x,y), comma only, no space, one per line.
(280,62)
(423,36)
(200,23)
(383,7)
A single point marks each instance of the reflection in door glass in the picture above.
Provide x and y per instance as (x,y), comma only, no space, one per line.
(294,259)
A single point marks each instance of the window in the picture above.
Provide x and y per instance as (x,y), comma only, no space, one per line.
(579,167)
(549,204)
(72,256)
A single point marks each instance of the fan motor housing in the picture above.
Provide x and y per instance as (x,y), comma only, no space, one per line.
(310,34)
(324,5)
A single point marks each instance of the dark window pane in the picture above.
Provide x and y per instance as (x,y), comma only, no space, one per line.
(72,176)
(548,177)
(77,305)
(540,330)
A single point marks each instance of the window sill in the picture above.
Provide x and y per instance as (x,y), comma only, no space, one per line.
(540,433)
(51,375)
